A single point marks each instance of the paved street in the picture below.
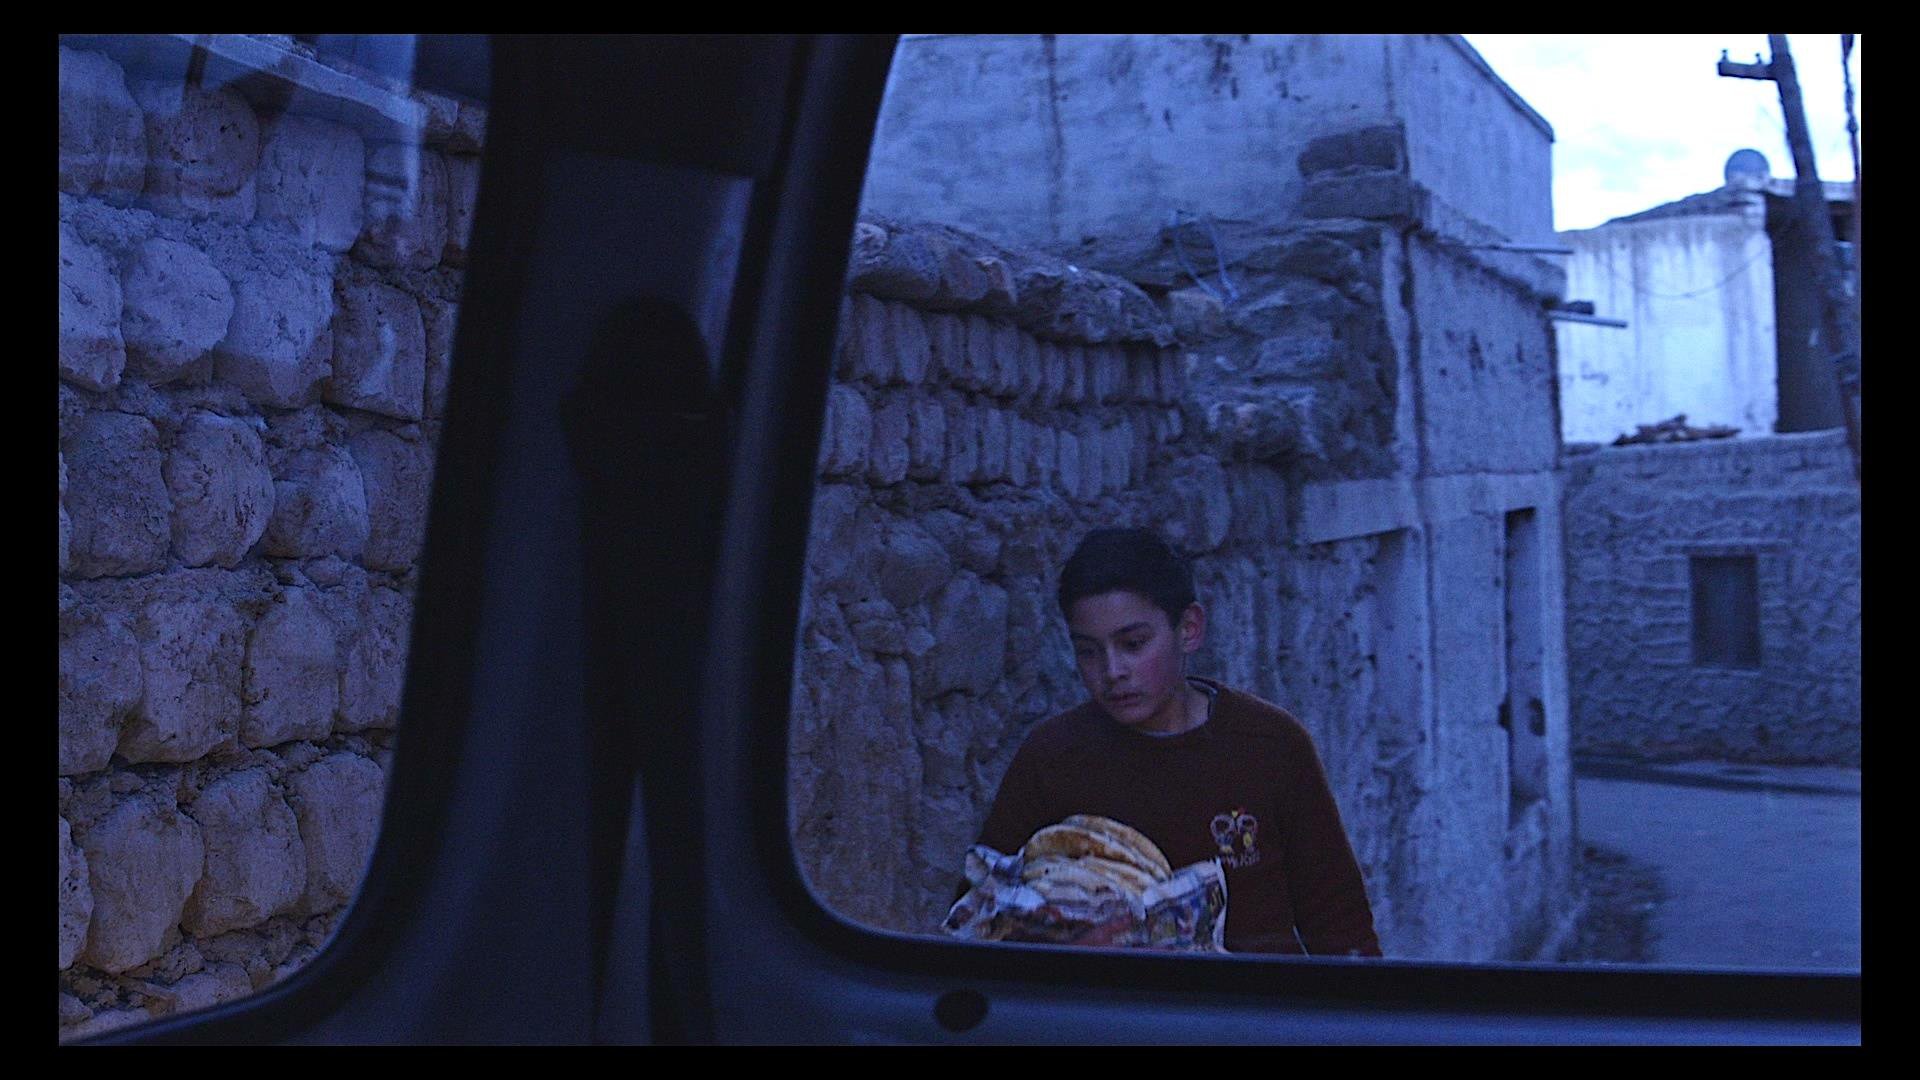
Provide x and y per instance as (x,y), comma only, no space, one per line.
(1761,863)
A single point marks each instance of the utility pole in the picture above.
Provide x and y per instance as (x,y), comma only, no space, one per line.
(1838,334)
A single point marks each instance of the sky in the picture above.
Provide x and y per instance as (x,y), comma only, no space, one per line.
(1643,119)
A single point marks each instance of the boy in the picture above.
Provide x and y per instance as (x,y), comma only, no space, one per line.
(1205,771)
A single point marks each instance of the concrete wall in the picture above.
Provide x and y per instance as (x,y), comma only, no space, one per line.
(256,309)
(1697,291)
(1353,550)
(1084,145)
(1636,516)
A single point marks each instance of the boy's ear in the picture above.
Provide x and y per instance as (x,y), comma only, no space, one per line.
(1192,628)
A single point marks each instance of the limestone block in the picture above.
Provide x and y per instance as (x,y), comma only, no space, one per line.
(398,477)
(907,340)
(292,683)
(1259,503)
(404,220)
(319,507)
(927,441)
(375,672)
(100,685)
(1196,315)
(279,344)
(76,898)
(437,318)
(175,307)
(970,637)
(1173,376)
(962,465)
(867,351)
(843,447)
(379,351)
(1116,451)
(1143,377)
(312,180)
(1004,341)
(256,866)
(1020,463)
(1206,508)
(1053,373)
(202,149)
(1074,360)
(912,564)
(143,859)
(963,281)
(103,137)
(104,1021)
(221,488)
(1309,350)
(463,189)
(191,652)
(1109,374)
(877,628)
(337,802)
(993,445)
(1377,195)
(1362,149)
(977,354)
(1002,294)
(204,989)
(887,454)
(92,352)
(1066,472)
(1025,350)
(898,264)
(1041,458)
(833,550)
(116,495)
(946,351)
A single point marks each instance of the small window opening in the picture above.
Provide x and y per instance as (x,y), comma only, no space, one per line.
(1726,611)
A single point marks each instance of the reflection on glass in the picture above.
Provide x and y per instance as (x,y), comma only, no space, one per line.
(261,251)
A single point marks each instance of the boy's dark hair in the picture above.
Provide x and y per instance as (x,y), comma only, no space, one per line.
(1134,560)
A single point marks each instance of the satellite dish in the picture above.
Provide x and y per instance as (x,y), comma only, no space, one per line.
(1748,169)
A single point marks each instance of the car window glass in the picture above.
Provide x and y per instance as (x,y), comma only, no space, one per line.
(1259,295)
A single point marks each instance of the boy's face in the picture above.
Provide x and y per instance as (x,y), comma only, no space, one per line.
(1132,659)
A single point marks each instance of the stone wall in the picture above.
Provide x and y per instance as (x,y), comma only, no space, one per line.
(990,406)
(1636,517)
(256,309)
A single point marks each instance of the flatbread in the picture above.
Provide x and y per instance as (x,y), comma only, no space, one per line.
(1078,841)
(1128,836)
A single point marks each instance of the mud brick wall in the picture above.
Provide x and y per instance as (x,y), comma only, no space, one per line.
(1636,517)
(256,311)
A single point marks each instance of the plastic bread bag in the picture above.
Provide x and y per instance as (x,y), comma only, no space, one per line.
(1189,910)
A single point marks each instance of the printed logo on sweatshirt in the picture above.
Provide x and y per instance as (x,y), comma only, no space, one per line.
(1235,838)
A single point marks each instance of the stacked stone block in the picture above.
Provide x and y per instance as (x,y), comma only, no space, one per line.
(974,433)
(1636,515)
(256,311)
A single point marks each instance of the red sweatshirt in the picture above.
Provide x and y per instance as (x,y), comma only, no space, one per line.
(1245,787)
